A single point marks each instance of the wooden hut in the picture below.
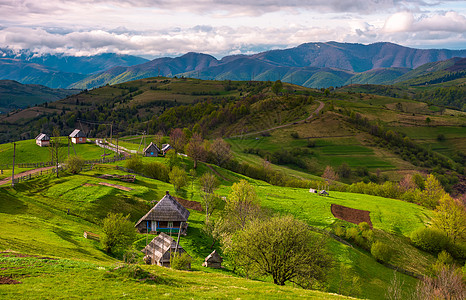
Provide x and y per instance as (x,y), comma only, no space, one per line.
(43,140)
(168,215)
(160,249)
(213,260)
(78,137)
(166,148)
(152,150)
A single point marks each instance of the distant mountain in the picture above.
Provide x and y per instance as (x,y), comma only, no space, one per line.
(30,73)
(57,70)
(74,64)
(311,65)
(14,95)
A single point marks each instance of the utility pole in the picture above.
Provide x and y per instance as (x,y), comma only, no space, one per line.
(13,170)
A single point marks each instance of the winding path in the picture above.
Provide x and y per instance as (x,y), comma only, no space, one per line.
(312,115)
(25,173)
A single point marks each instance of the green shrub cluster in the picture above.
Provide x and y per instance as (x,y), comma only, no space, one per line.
(381,251)
(180,261)
(362,235)
(430,240)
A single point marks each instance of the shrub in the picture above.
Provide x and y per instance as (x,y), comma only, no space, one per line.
(363,226)
(157,170)
(429,239)
(180,261)
(135,164)
(74,164)
(381,251)
(352,233)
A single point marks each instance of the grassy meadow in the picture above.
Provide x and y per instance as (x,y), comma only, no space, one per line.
(36,221)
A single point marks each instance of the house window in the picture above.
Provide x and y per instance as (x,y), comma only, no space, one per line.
(170,224)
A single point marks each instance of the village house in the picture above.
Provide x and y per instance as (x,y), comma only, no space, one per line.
(166,148)
(168,215)
(78,137)
(43,140)
(152,150)
(160,249)
(213,260)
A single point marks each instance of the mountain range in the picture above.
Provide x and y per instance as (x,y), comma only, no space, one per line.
(310,65)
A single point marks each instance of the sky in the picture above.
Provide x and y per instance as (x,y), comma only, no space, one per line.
(157,28)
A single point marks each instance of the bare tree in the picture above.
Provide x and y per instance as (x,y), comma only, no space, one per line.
(210,201)
(395,288)
(220,152)
(56,149)
(178,139)
(330,174)
(195,149)
(446,284)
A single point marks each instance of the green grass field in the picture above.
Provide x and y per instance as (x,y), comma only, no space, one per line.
(35,220)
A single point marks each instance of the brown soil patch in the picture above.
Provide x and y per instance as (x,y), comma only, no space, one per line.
(90,184)
(8,280)
(189,204)
(351,215)
(123,188)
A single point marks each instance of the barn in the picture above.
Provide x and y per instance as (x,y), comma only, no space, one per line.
(152,150)
(168,215)
(166,148)
(78,137)
(160,249)
(43,140)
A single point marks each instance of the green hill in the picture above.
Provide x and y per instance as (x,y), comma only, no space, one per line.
(47,217)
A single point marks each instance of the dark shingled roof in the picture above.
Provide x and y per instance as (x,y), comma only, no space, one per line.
(214,257)
(152,147)
(167,209)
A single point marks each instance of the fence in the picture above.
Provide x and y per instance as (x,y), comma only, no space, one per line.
(88,166)
(27,165)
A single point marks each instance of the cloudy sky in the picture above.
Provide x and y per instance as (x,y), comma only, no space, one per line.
(155,28)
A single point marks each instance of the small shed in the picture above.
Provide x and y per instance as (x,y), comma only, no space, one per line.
(78,137)
(152,150)
(213,260)
(311,190)
(168,215)
(323,193)
(166,148)
(43,140)
(160,249)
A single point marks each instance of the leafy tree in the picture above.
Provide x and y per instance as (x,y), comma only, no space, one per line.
(281,247)
(277,87)
(74,164)
(381,251)
(195,149)
(450,217)
(344,170)
(432,192)
(178,178)
(173,159)
(118,232)
(242,205)
(157,170)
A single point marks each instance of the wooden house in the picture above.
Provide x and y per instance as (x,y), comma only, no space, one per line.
(78,137)
(152,150)
(213,260)
(168,215)
(43,140)
(160,249)
(314,191)
(166,148)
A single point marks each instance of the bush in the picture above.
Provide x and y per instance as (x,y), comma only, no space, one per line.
(74,164)
(135,164)
(157,170)
(430,239)
(180,261)
(381,251)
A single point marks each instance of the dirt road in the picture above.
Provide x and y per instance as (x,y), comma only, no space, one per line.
(312,115)
(8,180)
